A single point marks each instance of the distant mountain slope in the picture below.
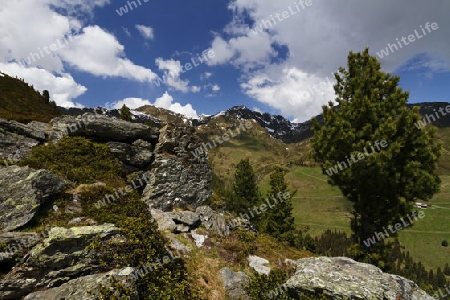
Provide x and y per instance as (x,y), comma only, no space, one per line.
(277,126)
(19,101)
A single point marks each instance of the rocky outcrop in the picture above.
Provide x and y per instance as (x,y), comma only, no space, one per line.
(12,240)
(22,191)
(34,130)
(180,179)
(14,147)
(87,287)
(235,284)
(60,257)
(344,278)
(212,220)
(139,154)
(101,128)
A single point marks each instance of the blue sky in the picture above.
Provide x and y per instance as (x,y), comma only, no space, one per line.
(272,56)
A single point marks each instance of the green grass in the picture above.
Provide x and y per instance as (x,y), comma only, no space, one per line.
(317,205)
(19,101)
(320,206)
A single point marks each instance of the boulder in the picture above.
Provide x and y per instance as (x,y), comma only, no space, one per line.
(34,130)
(188,218)
(344,278)
(14,147)
(163,220)
(22,191)
(87,287)
(198,238)
(60,257)
(180,179)
(15,241)
(212,220)
(257,263)
(138,154)
(235,284)
(101,128)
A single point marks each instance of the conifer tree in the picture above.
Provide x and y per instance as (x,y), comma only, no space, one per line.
(277,220)
(46,95)
(383,184)
(245,195)
(125,113)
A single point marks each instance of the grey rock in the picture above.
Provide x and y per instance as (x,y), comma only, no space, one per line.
(22,191)
(180,179)
(177,245)
(34,130)
(60,257)
(257,263)
(212,220)
(87,287)
(14,147)
(137,155)
(188,218)
(163,220)
(16,241)
(235,284)
(344,278)
(101,128)
(198,238)
(181,229)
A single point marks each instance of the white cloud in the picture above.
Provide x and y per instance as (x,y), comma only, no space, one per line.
(132,103)
(85,54)
(165,101)
(50,34)
(145,31)
(195,89)
(215,88)
(317,40)
(172,70)
(127,32)
(62,88)
(205,75)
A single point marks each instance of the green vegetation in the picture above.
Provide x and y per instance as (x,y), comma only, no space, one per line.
(20,102)
(372,110)
(125,113)
(244,195)
(77,160)
(278,220)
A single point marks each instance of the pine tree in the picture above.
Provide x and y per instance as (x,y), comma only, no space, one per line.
(447,270)
(125,113)
(245,195)
(440,278)
(46,95)
(383,162)
(277,220)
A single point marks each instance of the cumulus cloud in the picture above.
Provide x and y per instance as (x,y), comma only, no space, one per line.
(145,31)
(316,41)
(58,39)
(172,70)
(165,101)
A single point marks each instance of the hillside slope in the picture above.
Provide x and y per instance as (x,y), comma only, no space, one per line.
(19,101)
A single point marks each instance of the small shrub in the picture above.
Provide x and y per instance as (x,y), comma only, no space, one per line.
(444,243)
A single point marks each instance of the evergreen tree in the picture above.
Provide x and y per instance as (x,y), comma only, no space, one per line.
(46,95)
(125,113)
(382,182)
(447,270)
(277,220)
(245,195)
